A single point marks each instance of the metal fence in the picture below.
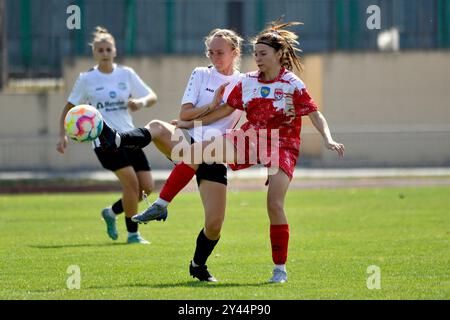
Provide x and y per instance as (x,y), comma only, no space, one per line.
(38,39)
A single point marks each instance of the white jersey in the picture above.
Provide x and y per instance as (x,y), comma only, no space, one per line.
(109,93)
(200,91)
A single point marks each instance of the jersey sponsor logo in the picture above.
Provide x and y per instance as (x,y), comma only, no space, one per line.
(114,103)
(278,94)
(99,89)
(112,94)
(210,90)
(112,106)
(122,86)
(265,91)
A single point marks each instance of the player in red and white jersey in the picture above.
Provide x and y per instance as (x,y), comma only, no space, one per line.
(274,100)
(266,103)
(115,90)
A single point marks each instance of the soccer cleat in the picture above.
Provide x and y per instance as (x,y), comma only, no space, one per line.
(107,138)
(155,212)
(279,276)
(201,273)
(136,238)
(111,227)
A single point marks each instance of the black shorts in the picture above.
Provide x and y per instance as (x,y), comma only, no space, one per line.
(215,172)
(121,158)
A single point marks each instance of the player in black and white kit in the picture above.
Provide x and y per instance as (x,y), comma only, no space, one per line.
(223,48)
(115,90)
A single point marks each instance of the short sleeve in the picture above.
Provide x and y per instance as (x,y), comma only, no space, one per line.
(138,88)
(303,102)
(235,97)
(192,91)
(79,93)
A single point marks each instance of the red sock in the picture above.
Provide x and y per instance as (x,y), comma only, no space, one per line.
(178,179)
(279,238)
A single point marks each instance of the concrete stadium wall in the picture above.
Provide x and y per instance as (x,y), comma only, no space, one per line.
(389,109)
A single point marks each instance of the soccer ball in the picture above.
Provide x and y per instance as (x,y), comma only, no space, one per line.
(83,123)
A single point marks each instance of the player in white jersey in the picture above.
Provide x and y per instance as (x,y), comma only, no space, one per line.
(115,90)
(223,48)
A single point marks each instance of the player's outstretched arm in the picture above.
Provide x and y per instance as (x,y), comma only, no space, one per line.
(219,113)
(214,111)
(189,112)
(320,123)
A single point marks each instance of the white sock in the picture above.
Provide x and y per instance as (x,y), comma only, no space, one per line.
(118,140)
(133,233)
(161,202)
(194,264)
(281,267)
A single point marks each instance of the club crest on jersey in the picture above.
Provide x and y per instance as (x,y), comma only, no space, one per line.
(265,91)
(278,94)
(122,86)
(112,94)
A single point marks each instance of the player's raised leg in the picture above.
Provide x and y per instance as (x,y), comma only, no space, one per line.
(156,131)
(218,150)
(110,139)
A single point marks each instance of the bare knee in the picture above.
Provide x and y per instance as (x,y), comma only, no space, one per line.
(131,188)
(156,128)
(146,188)
(213,228)
(275,207)
(149,187)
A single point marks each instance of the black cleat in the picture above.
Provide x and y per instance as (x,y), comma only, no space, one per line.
(108,138)
(201,273)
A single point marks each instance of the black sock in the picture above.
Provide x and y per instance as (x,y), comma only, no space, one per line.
(117,207)
(136,138)
(131,226)
(204,248)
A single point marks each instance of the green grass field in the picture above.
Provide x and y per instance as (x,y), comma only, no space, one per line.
(335,236)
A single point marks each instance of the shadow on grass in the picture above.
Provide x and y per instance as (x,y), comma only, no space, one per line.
(186,284)
(81,245)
